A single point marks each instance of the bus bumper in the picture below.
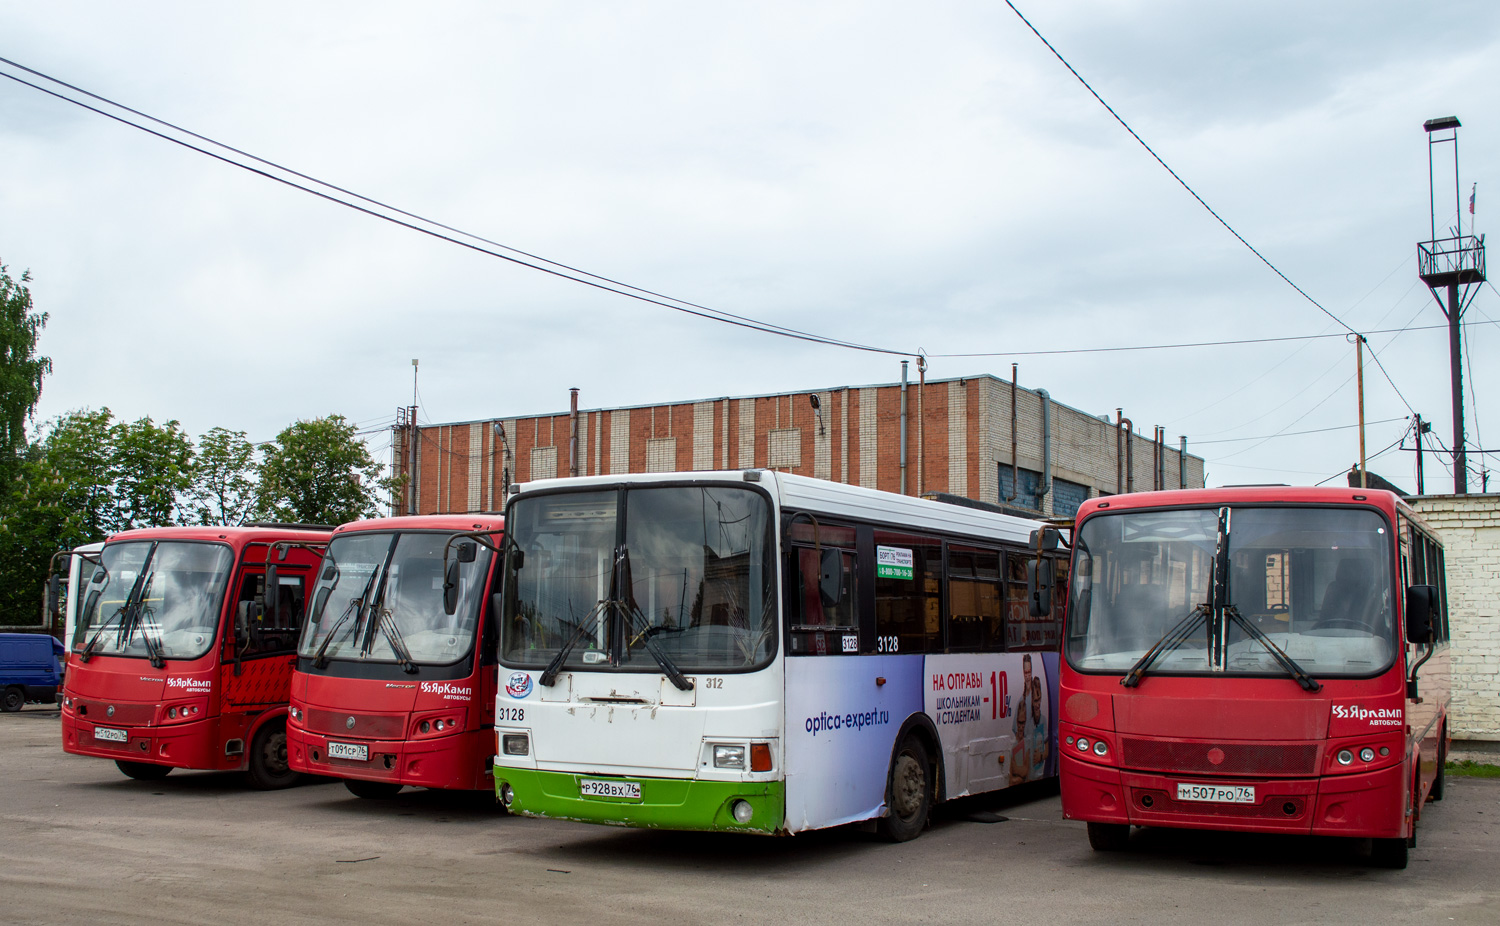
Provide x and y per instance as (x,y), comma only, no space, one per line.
(453,763)
(182,745)
(665,803)
(1361,805)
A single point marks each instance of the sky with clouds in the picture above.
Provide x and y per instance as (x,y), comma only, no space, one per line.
(914,177)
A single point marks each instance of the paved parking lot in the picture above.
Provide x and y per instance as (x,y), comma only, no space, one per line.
(80,843)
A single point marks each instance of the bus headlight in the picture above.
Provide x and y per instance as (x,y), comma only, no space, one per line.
(1367,754)
(1100,748)
(729,757)
(742,811)
(1083,744)
(1345,757)
(516,744)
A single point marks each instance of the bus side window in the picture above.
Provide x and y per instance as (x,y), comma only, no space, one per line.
(908,593)
(823,616)
(976,617)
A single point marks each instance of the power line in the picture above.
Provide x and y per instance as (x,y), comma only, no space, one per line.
(1174,174)
(587,279)
(1340,427)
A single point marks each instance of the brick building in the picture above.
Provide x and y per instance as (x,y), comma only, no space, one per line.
(1469,526)
(959,440)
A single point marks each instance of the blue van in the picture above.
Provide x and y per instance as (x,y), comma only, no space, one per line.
(30,669)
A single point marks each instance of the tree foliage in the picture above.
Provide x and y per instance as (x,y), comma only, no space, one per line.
(224,478)
(152,466)
(319,472)
(21,370)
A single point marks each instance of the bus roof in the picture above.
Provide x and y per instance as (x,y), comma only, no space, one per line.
(1228,495)
(476,521)
(805,493)
(236,536)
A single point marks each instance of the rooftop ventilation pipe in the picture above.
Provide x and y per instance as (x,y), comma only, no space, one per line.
(1045,488)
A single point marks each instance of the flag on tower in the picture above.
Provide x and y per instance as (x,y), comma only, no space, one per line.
(1474,190)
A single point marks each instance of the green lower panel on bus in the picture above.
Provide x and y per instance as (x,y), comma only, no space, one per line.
(664,803)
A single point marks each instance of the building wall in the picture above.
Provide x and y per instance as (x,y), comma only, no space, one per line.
(959,434)
(1469,526)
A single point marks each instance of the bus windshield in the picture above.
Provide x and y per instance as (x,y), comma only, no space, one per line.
(1317,582)
(379,598)
(149,597)
(610,576)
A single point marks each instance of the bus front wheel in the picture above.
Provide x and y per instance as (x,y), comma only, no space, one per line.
(269,769)
(908,795)
(1109,837)
(372,790)
(143,771)
(1389,853)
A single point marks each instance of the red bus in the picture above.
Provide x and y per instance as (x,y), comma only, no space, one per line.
(396,672)
(1263,659)
(180,658)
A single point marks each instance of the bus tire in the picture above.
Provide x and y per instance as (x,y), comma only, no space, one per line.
(908,792)
(372,790)
(1436,794)
(1109,837)
(1389,853)
(14,699)
(143,771)
(268,769)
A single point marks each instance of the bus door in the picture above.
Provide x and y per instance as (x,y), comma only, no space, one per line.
(260,647)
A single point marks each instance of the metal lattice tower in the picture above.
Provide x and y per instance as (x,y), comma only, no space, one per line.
(1454,263)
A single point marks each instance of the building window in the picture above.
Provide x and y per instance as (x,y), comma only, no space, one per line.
(661,455)
(784,448)
(543,463)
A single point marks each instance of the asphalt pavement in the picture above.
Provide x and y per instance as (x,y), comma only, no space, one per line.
(80,843)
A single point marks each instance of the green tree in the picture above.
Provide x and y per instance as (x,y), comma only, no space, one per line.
(152,466)
(21,370)
(319,472)
(224,478)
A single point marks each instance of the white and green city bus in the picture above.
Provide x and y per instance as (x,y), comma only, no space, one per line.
(759,652)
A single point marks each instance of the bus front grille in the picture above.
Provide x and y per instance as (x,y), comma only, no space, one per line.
(364,726)
(1221,758)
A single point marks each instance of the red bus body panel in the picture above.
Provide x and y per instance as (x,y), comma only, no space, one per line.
(1264,732)
(385,713)
(126,692)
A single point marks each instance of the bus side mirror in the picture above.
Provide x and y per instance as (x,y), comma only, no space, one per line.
(320,601)
(517,559)
(1045,539)
(450,586)
(1039,586)
(273,589)
(54,596)
(1420,602)
(831,577)
(245,621)
(468,551)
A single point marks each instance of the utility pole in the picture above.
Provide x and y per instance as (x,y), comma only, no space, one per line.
(1359,375)
(1456,264)
(1422,427)
(411,505)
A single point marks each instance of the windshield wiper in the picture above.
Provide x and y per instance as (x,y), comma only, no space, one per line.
(392,633)
(355,606)
(87,652)
(1307,682)
(1169,641)
(589,622)
(648,636)
(154,648)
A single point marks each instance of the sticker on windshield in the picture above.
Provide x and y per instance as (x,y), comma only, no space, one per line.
(893,563)
(518,685)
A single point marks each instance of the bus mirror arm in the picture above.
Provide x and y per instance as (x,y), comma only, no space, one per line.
(54,596)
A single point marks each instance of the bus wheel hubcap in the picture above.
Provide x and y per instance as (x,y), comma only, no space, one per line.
(908,783)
